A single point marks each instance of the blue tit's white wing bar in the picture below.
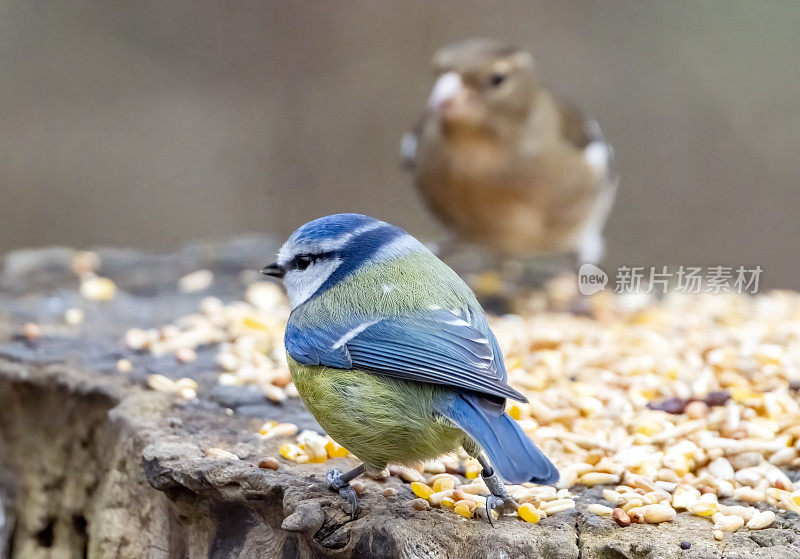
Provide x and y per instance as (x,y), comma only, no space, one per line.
(429,347)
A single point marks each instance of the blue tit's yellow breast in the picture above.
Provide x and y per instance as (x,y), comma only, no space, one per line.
(380,419)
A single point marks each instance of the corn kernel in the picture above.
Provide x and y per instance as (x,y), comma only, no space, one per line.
(267,427)
(649,429)
(254,324)
(443,483)
(529,513)
(422,490)
(463,509)
(448,502)
(313,445)
(702,508)
(436,498)
(335,450)
(517,411)
(291,452)
(472,471)
(471,504)
(275,429)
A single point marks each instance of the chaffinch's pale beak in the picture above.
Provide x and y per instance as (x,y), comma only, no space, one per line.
(447,87)
(273,270)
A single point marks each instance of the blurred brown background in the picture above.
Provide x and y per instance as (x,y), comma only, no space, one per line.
(149,123)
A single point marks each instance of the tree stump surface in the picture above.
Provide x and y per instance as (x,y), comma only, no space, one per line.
(95,464)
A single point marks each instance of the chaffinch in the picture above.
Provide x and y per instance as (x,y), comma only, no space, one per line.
(505,164)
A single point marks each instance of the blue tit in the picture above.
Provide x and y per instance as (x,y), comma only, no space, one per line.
(391,353)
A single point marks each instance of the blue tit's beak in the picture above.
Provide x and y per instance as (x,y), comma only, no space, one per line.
(273,270)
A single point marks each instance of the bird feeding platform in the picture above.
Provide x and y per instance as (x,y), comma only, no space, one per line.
(111,449)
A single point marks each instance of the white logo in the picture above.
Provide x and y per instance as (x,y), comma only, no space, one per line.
(591,279)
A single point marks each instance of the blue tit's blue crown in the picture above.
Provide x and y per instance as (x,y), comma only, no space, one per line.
(332,227)
(338,245)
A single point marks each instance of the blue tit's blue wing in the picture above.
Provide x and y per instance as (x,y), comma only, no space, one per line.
(316,346)
(440,346)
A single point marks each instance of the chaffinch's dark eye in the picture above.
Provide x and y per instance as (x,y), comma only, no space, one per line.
(497,79)
(302,261)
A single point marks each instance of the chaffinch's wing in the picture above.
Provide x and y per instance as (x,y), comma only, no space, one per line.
(408,146)
(584,133)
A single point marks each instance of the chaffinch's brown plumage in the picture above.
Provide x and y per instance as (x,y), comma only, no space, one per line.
(506,165)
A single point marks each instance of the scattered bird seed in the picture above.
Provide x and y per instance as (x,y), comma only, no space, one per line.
(761,520)
(85,262)
(196,281)
(73,317)
(269,463)
(529,513)
(32,331)
(672,405)
(358,486)
(220,454)
(186,355)
(420,504)
(599,510)
(621,517)
(186,388)
(95,288)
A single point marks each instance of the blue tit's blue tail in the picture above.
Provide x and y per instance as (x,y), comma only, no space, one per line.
(510,450)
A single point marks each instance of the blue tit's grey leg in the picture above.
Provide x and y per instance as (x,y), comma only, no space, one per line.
(499,497)
(340,482)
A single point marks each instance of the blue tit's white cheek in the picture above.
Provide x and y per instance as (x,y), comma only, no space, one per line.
(302,284)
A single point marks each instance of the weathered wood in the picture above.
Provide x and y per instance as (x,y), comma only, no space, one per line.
(92,463)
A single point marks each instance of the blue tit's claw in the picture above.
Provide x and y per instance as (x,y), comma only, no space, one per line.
(336,483)
(350,494)
(501,504)
(492,502)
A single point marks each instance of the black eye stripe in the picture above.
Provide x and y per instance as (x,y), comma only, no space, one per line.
(303,261)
